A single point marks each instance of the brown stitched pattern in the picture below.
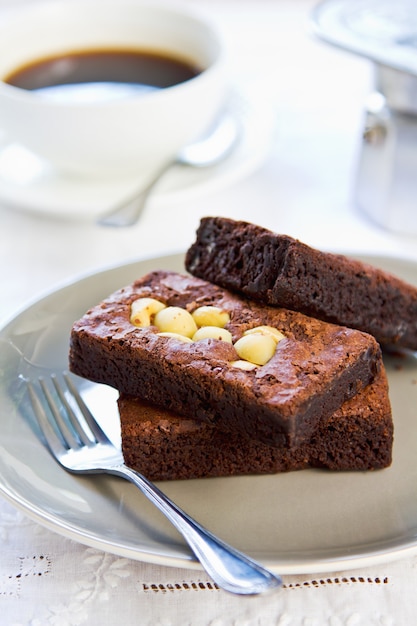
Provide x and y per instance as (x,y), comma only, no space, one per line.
(35,566)
(183,586)
(210,586)
(28,566)
(322,582)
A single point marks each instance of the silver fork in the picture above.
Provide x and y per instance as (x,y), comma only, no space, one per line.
(79,444)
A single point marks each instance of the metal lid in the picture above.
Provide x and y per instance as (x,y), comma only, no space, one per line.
(384,31)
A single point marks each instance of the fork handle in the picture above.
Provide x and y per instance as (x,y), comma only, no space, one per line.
(230,569)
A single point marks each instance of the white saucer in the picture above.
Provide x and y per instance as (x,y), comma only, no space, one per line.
(28,183)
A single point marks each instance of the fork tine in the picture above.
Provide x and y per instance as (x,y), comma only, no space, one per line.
(73,420)
(62,425)
(78,429)
(97,433)
(54,442)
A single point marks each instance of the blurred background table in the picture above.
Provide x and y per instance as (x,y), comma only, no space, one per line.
(304,186)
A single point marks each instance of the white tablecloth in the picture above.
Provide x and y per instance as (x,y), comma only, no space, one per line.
(304,187)
(48,580)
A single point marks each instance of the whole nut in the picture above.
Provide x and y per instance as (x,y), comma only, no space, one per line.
(211,316)
(174,319)
(176,336)
(213,332)
(256,348)
(266,330)
(246,366)
(142,310)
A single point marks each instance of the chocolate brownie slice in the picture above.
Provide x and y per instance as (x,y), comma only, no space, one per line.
(165,446)
(313,370)
(281,271)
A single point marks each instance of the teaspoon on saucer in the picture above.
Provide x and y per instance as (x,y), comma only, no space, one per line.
(207,151)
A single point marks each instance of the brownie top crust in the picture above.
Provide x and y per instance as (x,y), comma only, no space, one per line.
(281,271)
(315,368)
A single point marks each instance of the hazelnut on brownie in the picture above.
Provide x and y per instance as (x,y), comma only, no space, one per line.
(205,353)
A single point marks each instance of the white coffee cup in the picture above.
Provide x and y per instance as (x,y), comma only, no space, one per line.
(136,133)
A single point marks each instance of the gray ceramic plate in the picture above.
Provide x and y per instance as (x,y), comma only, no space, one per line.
(300,522)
